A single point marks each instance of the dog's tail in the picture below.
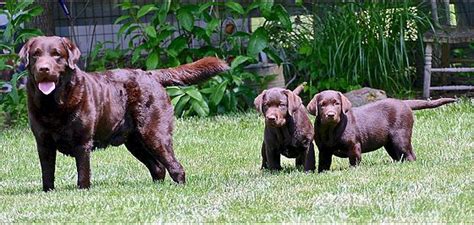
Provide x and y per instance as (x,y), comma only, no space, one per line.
(191,73)
(298,89)
(427,104)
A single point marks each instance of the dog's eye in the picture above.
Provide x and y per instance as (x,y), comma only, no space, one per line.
(282,105)
(56,55)
(337,103)
(36,54)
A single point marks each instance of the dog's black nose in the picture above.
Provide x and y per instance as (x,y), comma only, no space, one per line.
(44,69)
(331,114)
(271,118)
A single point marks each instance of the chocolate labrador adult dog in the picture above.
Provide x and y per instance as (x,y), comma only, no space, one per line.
(348,132)
(75,112)
(288,130)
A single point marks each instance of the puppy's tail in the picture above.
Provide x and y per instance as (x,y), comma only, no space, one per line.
(191,73)
(427,104)
(298,89)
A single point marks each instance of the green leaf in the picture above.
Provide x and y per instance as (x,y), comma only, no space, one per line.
(283,16)
(36,11)
(239,60)
(178,109)
(305,49)
(241,34)
(127,5)
(211,26)
(186,19)
(164,34)
(236,7)
(266,5)
(200,107)
(273,56)
(175,99)
(165,8)
(123,28)
(137,53)
(150,31)
(177,45)
(122,18)
(251,7)
(258,41)
(204,6)
(145,10)
(152,61)
(217,96)
(202,34)
(194,93)
(174,90)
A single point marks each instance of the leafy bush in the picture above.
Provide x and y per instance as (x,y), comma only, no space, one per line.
(13,104)
(102,58)
(168,46)
(348,45)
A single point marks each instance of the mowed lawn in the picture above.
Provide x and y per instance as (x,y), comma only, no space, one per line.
(221,156)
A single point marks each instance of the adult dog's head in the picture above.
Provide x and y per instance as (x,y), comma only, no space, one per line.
(47,59)
(328,106)
(276,104)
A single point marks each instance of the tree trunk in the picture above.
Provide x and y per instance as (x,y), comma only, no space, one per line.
(45,21)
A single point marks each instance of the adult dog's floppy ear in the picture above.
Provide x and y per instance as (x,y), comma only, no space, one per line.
(25,52)
(345,103)
(258,102)
(294,101)
(73,53)
(313,106)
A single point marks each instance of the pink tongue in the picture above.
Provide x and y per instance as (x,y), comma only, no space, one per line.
(46,87)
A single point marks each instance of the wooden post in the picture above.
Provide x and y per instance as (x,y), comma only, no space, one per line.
(427,75)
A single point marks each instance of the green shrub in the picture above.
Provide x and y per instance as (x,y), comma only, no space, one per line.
(345,46)
(13,104)
(167,45)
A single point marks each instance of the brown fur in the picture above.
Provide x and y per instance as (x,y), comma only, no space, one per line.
(93,110)
(288,130)
(348,132)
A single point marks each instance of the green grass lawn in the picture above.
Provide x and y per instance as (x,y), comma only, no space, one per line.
(221,156)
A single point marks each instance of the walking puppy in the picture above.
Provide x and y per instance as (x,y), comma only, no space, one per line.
(288,130)
(348,132)
(75,112)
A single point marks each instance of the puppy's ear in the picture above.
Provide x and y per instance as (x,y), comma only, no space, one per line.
(72,51)
(25,52)
(345,103)
(294,101)
(312,106)
(258,102)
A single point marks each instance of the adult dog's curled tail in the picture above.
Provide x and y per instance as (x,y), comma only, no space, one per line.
(191,73)
(427,104)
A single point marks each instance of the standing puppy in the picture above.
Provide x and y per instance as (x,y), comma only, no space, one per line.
(348,132)
(288,130)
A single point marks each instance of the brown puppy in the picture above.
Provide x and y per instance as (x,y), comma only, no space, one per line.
(288,130)
(348,132)
(75,112)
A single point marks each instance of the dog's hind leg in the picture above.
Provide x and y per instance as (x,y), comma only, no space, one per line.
(394,153)
(401,144)
(310,161)
(136,147)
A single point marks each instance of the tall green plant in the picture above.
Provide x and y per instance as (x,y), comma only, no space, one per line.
(352,44)
(11,38)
